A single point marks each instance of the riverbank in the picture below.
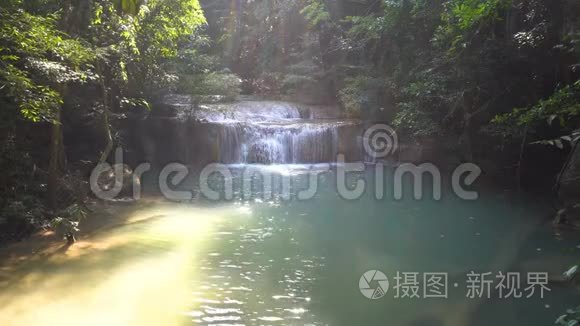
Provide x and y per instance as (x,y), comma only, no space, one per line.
(128,257)
(48,242)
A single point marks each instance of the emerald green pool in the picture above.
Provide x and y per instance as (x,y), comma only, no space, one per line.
(277,262)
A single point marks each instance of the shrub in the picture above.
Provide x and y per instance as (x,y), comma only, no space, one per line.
(223,83)
(292,84)
(360,94)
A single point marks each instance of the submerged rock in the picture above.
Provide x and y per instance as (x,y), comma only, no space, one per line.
(571,273)
(106,181)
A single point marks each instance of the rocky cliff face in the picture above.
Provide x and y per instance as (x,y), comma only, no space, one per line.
(569,187)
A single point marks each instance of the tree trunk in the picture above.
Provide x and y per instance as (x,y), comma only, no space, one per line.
(521,158)
(106,127)
(56,160)
(467,135)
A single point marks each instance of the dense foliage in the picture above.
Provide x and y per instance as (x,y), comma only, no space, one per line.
(460,70)
(487,78)
(72,66)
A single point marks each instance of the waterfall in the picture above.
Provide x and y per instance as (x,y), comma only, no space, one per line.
(300,142)
(257,132)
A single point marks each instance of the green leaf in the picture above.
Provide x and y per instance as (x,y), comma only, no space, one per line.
(130,7)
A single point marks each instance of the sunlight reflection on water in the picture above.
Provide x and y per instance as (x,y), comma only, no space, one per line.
(275,262)
(133,275)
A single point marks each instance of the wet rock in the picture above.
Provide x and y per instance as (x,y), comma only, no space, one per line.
(568,217)
(107,179)
(568,190)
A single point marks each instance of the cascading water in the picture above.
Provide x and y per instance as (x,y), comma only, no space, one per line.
(274,142)
(283,137)
(261,132)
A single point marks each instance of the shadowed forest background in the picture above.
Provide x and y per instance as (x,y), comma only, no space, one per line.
(495,82)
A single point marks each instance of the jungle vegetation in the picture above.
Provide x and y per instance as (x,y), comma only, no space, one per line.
(489,79)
